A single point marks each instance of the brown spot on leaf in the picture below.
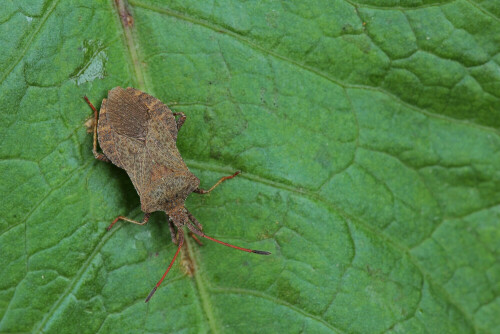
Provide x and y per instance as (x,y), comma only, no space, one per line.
(125,16)
(89,124)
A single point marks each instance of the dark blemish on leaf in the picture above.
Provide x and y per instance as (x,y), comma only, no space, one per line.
(347,29)
(124,13)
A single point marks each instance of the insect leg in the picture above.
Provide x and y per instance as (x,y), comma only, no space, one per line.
(194,220)
(181,120)
(142,222)
(172,231)
(180,242)
(97,155)
(203,191)
(195,238)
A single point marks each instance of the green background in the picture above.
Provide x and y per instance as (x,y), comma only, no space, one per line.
(367,133)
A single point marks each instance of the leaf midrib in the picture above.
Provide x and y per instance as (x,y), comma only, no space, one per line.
(132,44)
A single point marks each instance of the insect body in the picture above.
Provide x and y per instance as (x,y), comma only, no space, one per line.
(138,133)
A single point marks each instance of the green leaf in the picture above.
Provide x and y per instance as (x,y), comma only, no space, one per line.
(368,134)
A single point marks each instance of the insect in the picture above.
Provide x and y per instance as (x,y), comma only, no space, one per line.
(138,133)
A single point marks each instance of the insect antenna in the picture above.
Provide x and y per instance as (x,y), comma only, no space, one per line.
(193,229)
(181,242)
(201,234)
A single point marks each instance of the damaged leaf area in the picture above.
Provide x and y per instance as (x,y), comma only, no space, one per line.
(367,133)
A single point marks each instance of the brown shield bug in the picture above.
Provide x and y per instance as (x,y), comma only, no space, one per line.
(138,133)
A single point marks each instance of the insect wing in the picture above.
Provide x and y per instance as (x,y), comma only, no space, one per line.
(142,139)
(126,115)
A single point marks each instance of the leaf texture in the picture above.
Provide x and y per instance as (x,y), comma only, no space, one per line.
(367,133)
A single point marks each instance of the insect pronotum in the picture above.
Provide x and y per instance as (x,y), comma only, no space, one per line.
(138,133)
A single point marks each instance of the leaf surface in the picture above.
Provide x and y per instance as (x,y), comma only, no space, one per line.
(367,133)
